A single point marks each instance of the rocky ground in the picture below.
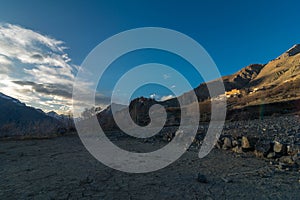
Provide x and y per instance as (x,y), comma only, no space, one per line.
(276,139)
(61,168)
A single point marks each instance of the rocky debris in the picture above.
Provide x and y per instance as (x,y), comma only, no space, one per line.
(263,147)
(236,143)
(293,149)
(248,143)
(287,160)
(283,166)
(202,178)
(271,155)
(280,148)
(258,154)
(266,139)
(227,143)
(237,149)
(270,138)
(296,159)
(168,136)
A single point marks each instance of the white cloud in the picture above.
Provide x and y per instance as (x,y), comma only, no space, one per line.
(36,69)
(166,76)
(164,98)
(5,64)
(153,96)
(4,60)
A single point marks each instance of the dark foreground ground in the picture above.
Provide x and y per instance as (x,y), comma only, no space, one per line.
(61,168)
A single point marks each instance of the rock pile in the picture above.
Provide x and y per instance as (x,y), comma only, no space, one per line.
(286,155)
(274,138)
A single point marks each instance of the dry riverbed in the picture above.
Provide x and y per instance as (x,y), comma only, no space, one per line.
(61,168)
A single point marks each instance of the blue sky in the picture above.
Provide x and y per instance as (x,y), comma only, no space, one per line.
(235,33)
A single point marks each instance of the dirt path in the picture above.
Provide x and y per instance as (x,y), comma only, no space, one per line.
(61,168)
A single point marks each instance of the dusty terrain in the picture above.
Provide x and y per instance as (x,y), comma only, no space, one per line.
(61,168)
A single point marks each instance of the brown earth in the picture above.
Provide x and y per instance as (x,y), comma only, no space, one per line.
(61,168)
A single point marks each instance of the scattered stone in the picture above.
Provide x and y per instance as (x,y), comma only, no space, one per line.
(296,159)
(227,144)
(201,178)
(287,160)
(264,147)
(280,148)
(248,143)
(258,154)
(235,143)
(245,143)
(271,155)
(167,137)
(237,149)
(282,166)
(293,149)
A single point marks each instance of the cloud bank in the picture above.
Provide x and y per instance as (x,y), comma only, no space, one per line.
(36,69)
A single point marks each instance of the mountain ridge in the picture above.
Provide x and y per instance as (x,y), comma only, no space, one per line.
(19,120)
(274,85)
(261,77)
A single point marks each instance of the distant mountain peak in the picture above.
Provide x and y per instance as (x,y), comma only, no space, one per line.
(290,52)
(19,120)
(16,101)
(52,113)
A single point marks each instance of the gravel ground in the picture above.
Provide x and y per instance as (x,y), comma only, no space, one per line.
(61,168)
(285,129)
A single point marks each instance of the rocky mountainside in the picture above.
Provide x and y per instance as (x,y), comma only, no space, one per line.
(240,80)
(252,92)
(274,86)
(275,81)
(282,73)
(19,120)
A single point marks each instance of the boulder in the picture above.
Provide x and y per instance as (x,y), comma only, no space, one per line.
(271,155)
(237,149)
(248,143)
(235,143)
(280,148)
(283,166)
(286,160)
(293,149)
(258,154)
(264,147)
(227,143)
